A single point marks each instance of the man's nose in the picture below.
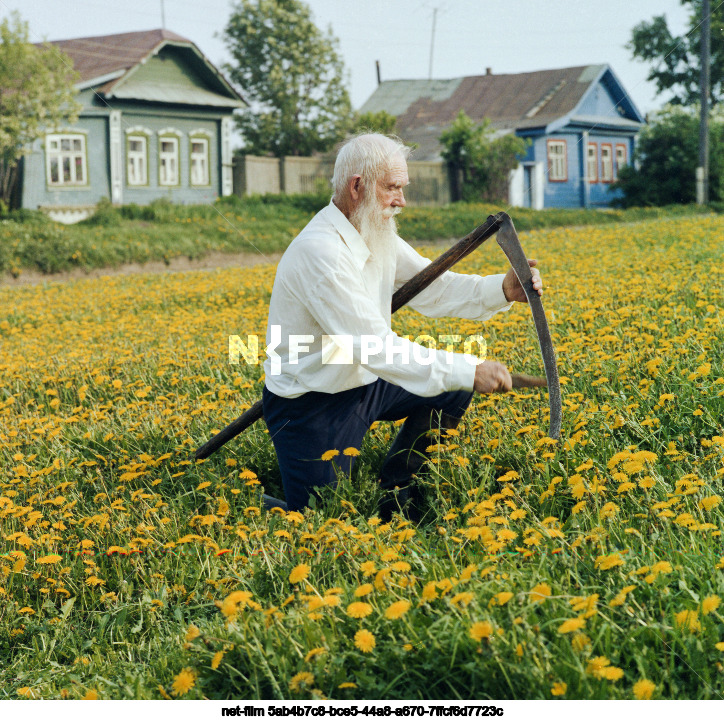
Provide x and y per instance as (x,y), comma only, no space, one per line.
(399,200)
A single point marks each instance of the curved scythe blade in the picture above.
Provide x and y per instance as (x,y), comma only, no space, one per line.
(508,240)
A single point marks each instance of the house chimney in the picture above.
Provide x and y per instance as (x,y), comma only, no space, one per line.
(377,65)
(488,71)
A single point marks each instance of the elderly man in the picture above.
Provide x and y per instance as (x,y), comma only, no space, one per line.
(325,382)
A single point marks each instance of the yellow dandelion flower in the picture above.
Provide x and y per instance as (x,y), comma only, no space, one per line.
(480,630)
(90,695)
(559,688)
(299,573)
(202,485)
(709,604)
(596,665)
(216,660)
(368,568)
(52,558)
(314,652)
(363,590)
(719,646)
(26,609)
(644,689)
(351,452)
(303,678)
(572,624)
(329,455)
(464,598)
(359,609)
(364,640)
(605,563)
(611,673)
(192,633)
(397,610)
(500,599)
(688,621)
(429,592)
(347,684)
(579,641)
(540,593)
(183,682)
(402,566)
(709,502)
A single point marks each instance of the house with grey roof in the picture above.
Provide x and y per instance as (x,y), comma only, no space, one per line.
(581,124)
(156,122)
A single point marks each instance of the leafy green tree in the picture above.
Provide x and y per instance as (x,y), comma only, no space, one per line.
(665,160)
(480,162)
(36,94)
(379,122)
(676,60)
(292,76)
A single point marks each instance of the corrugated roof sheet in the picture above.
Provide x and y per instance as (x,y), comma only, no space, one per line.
(522,100)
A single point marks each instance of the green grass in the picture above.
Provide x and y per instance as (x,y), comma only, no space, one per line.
(259,225)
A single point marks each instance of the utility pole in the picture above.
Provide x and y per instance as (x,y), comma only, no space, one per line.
(702,172)
(163,16)
(432,41)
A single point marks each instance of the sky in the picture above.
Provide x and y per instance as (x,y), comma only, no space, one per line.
(508,36)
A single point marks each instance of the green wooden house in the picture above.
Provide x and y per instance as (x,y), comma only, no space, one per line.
(156,123)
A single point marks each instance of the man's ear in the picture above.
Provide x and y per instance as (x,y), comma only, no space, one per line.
(355,187)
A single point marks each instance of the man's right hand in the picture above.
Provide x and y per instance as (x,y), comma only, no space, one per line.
(492,377)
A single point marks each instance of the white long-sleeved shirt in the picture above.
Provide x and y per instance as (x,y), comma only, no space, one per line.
(325,287)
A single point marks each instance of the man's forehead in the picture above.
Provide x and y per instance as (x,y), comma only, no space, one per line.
(396,171)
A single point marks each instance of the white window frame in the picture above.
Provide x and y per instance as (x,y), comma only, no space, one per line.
(173,137)
(197,160)
(592,163)
(132,160)
(55,152)
(606,163)
(624,152)
(557,161)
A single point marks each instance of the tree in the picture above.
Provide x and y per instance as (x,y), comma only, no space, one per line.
(292,76)
(379,122)
(483,160)
(36,93)
(665,160)
(676,61)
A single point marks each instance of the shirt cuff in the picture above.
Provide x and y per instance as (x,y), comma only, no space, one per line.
(495,297)
(463,371)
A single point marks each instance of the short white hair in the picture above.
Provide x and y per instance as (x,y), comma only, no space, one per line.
(368,155)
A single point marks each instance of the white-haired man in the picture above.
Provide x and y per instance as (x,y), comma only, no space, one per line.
(330,372)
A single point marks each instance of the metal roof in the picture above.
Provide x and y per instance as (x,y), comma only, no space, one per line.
(107,61)
(511,101)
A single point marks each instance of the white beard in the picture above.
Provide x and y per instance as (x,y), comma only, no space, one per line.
(377,227)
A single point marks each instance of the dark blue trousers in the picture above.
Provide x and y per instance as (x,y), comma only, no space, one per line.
(303,428)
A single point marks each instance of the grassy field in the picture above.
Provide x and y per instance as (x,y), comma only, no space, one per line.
(261,225)
(592,568)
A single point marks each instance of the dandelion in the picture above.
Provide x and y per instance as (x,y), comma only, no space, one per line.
(559,688)
(216,660)
(364,640)
(359,609)
(464,598)
(183,682)
(429,592)
(709,604)
(364,590)
(329,455)
(52,558)
(353,452)
(540,593)
(500,599)
(397,610)
(480,630)
(299,573)
(719,646)
(90,695)
(314,653)
(347,684)
(572,624)
(605,563)
(688,621)
(303,678)
(192,632)
(644,689)
(579,641)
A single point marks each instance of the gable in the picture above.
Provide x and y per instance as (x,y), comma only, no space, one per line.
(606,98)
(173,75)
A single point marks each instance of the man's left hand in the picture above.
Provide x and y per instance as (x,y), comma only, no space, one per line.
(512,288)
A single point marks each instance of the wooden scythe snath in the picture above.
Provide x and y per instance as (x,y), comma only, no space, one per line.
(465,246)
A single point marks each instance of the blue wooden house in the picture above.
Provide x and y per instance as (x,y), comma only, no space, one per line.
(580,121)
(156,122)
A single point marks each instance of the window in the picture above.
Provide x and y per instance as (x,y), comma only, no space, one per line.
(66,160)
(199,161)
(557,161)
(137,160)
(606,163)
(592,163)
(621,158)
(168,161)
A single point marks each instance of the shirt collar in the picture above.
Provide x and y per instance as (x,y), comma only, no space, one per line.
(350,235)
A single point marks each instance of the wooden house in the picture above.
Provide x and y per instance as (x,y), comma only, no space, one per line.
(156,122)
(580,121)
